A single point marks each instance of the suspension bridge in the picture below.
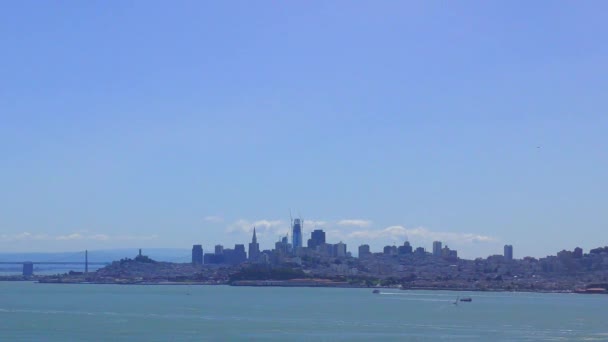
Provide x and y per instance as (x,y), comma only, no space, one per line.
(28,266)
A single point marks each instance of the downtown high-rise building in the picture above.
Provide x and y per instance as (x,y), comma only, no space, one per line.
(364,251)
(239,254)
(437,248)
(317,238)
(340,250)
(197,255)
(282,246)
(405,249)
(508,253)
(296,234)
(390,250)
(254,248)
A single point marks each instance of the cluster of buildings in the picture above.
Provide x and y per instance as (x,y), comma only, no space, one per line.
(284,251)
(316,248)
(411,267)
(222,255)
(402,266)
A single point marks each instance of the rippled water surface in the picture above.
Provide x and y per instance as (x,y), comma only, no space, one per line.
(48,312)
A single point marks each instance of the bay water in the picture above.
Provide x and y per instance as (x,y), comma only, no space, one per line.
(53,312)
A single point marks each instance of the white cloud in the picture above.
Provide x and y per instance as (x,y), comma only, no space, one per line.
(100,237)
(420,233)
(271,226)
(312,224)
(104,237)
(75,236)
(355,223)
(214,219)
(261,226)
(131,237)
(334,235)
(25,236)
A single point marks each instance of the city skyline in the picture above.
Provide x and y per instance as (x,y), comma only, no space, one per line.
(353,232)
(478,125)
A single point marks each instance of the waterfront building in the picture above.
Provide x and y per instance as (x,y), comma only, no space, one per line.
(317,237)
(197,255)
(508,252)
(254,248)
(219,249)
(364,251)
(296,234)
(437,248)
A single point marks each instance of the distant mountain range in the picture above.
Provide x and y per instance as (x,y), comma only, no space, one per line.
(159,254)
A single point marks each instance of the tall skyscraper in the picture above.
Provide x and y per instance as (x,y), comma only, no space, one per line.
(254,248)
(197,255)
(509,252)
(219,249)
(437,248)
(317,237)
(296,234)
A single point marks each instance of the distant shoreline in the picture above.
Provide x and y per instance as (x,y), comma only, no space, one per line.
(272,283)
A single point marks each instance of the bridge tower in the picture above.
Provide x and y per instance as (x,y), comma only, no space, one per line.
(86,261)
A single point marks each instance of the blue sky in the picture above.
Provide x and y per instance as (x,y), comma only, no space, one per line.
(157,124)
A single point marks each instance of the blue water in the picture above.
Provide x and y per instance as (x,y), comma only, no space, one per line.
(51,312)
